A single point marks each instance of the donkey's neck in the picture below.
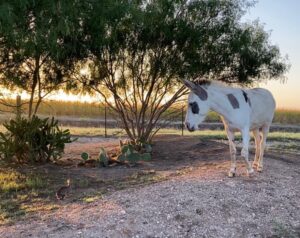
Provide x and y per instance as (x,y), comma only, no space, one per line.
(218,99)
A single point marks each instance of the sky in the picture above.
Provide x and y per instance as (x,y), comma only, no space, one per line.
(282,19)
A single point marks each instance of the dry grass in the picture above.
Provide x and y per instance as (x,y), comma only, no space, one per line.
(96,110)
(24,193)
(204,134)
(287,116)
(21,193)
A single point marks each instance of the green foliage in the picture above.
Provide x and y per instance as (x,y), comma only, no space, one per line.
(281,230)
(145,46)
(39,41)
(10,181)
(85,156)
(103,157)
(33,140)
(139,46)
(134,152)
(35,182)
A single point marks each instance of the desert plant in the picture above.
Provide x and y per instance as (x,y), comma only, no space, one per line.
(134,152)
(33,140)
(85,156)
(103,157)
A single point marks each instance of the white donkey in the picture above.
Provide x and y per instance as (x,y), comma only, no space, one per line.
(241,110)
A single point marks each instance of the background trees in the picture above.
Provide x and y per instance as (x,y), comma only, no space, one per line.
(39,41)
(136,51)
(135,63)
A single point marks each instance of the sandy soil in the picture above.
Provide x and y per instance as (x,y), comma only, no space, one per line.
(200,201)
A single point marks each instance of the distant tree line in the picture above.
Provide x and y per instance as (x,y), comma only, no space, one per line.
(135,51)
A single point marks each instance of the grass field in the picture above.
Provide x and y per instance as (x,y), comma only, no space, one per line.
(95,110)
(204,134)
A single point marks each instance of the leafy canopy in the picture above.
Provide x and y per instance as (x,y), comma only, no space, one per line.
(39,41)
(140,49)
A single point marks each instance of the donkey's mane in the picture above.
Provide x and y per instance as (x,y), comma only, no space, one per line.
(202,82)
(216,84)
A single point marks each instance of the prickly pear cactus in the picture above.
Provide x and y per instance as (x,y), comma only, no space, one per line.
(128,153)
(148,148)
(103,157)
(146,156)
(85,156)
(133,158)
(127,148)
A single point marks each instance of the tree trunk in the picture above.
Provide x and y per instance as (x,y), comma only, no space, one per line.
(33,86)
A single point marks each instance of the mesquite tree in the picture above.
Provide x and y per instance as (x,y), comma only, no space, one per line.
(39,41)
(143,47)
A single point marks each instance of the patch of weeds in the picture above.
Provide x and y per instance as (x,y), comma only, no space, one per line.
(92,198)
(289,146)
(35,182)
(145,177)
(82,183)
(33,207)
(138,178)
(10,210)
(11,181)
(183,171)
(21,193)
(282,231)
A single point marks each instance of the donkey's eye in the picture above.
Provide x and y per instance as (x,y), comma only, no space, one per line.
(195,108)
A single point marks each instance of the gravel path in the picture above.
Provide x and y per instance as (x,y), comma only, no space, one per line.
(196,204)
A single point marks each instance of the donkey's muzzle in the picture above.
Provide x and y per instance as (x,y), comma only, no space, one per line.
(189,127)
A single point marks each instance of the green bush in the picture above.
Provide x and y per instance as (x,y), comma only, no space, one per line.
(103,157)
(33,140)
(85,156)
(134,152)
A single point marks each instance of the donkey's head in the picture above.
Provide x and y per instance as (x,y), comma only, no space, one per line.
(198,105)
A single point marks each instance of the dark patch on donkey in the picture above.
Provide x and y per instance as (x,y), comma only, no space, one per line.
(195,108)
(233,101)
(246,98)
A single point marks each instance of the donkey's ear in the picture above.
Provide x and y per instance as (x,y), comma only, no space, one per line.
(197,89)
(189,84)
(200,92)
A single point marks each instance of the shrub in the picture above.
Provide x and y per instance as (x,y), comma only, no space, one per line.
(134,152)
(85,156)
(103,157)
(33,140)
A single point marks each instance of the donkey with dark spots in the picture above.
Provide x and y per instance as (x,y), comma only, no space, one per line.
(241,110)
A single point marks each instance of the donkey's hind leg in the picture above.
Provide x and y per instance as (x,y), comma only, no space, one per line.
(257,140)
(264,134)
(245,150)
(230,135)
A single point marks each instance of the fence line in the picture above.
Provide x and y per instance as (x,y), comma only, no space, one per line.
(109,119)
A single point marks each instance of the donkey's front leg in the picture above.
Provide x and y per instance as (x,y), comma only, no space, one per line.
(230,135)
(245,150)
(257,139)
(265,131)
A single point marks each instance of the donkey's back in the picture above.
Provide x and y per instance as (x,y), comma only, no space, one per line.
(262,107)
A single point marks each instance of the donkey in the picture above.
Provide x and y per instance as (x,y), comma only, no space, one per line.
(240,109)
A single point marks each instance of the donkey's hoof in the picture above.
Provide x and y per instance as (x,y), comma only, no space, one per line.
(231,174)
(250,172)
(254,165)
(259,169)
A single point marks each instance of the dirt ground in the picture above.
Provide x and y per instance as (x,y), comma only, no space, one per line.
(195,198)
